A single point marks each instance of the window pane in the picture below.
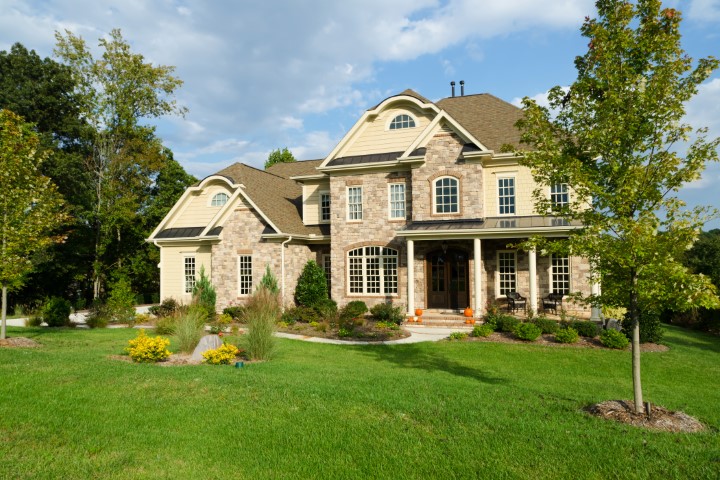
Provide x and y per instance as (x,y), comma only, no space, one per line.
(373,270)
(559,195)
(402,121)
(446,195)
(245,281)
(560,274)
(219,199)
(506,272)
(325,207)
(355,203)
(189,274)
(506,196)
(397,200)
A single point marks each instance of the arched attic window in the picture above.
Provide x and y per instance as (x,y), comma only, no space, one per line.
(219,199)
(402,121)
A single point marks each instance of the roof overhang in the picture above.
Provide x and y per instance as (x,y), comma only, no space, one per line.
(281,237)
(490,228)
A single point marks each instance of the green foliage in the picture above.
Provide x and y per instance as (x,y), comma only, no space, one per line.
(263,312)
(189,329)
(704,319)
(225,354)
(484,330)
(704,256)
(166,325)
(386,312)
(98,315)
(505,323)
(56,312)
(327,309)
(279,156)
(269,281)
(352,313)
(300,314)
(204,296)
(387,326)
(34,321)
(546,325)
(312,285)
(144,349)
(121,303)
(167,308)
(585,328)
(458,336)
(566,335)
(527,331)
(221,323)
(651,330)
(237,312)
(614,339)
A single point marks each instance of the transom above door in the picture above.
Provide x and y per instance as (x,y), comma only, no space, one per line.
(447,279)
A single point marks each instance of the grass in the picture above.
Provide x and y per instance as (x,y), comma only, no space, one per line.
(432,410)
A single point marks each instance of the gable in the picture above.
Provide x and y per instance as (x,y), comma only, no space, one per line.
(197,209)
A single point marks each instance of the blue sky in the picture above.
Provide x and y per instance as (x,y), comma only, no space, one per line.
(263,74)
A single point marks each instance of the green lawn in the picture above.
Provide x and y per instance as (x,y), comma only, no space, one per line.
(433,410)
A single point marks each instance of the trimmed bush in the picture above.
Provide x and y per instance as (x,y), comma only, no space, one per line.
(56,312)
(148,350)
(527,331)
(484,330)
(327,309)
(223,355)
(506,323)
(354,309)
(546,325)
(165,309)
(385,312)
(650,329)
(614,339)
(300,314)
(566,335)
(586,328)
(312,285)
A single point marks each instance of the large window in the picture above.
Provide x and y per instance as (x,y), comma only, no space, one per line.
(446,195)
(373,271)
(397,200)
(327,268)
(219,199)
(402,121)
(355,207)
(245,277)
(559,196)
(189,274)
(507,273)
(559,274)
(325,207)
(506,196)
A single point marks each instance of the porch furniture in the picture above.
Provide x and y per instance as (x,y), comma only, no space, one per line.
(515,301)
(553,302)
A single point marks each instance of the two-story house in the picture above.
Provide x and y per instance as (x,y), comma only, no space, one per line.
(418,204)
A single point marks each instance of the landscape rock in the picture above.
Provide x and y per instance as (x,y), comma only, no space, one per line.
(208,342)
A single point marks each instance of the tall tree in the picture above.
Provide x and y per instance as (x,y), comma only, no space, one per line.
(612,140)
(117,91)
(279,156)
(30,205)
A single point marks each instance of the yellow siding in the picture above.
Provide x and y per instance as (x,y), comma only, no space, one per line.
(524,187)
(172,269)
(374,137)
(197,211)
(311,201)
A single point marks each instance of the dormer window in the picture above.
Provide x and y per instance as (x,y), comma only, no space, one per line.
(219,199)
(402,121)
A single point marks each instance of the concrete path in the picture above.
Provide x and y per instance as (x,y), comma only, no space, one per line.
(417,335)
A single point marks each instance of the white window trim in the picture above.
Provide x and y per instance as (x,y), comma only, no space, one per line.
(497,271)
(381,268)
(515,193)
(212,198)
(434,196)
(347,201)
(184,280)
(239,282)
(551,288)
(390,207)
(394,116)
(320,206)
(550,192)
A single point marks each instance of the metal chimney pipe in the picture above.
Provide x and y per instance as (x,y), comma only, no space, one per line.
(452,87)
(462,88)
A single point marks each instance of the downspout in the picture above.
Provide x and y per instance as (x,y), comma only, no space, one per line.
(282,267)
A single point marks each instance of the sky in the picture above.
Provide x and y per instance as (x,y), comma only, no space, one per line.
(262,74)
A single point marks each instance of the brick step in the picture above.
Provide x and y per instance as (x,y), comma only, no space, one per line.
(442,321)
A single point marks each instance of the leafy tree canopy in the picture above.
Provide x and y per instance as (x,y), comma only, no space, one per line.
(279,156)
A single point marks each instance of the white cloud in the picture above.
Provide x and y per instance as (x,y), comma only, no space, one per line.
(315,145)
(704,10)
(289,122)
(703,110)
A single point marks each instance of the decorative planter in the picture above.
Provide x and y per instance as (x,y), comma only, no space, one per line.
(468,312)
(418,312)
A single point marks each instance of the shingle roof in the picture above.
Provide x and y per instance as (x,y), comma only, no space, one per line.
(409,92)
(487,118)
(277,197)
(293,169)
(187,232)
(362,159)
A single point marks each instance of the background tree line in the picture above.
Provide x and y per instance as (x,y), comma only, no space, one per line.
(114,174)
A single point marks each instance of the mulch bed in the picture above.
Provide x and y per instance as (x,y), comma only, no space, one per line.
(660,418)
(364,333)
(176,360)
(19,342)
(549,340)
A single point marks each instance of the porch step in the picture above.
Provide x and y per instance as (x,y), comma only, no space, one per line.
(441,320)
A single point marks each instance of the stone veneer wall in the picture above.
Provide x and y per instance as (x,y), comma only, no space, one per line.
(242,235)
(441,159)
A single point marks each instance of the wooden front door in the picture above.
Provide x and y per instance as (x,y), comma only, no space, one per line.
(447,277)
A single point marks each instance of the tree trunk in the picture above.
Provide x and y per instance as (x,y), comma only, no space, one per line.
(635,322)
(4,313)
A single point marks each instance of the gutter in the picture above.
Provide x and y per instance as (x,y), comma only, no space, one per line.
(282,266)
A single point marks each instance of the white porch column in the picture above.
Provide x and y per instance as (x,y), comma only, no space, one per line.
(410,277)
(595,312)
(477,258)
(532,259)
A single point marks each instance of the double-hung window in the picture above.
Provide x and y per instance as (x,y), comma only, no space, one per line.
(559,195)
(506,195)
(245,276)
(396,191)
(560,274)
(373,271)
(446,195)
(324,207)
(189,274)
(507,272)
(355,203)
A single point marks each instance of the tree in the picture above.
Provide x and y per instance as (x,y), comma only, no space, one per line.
(116,92)
(311,287)
(612,142)
(279,156)
(704,256)
(30,205)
